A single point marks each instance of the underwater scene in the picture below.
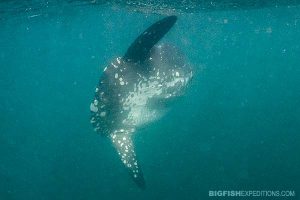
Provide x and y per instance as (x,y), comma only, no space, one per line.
(149,99)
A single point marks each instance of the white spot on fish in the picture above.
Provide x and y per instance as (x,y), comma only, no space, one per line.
(102,114)
(96,129)
(93,120)
(116,75)
(115,66)
(93,108)
(118,60)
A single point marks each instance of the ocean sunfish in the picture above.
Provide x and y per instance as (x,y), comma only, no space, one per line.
(136,89)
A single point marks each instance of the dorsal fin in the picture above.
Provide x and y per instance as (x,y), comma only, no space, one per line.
(139,49)
(122,141)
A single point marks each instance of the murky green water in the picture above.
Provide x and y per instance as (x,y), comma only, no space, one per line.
(237,127)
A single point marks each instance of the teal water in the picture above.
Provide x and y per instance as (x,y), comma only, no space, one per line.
(237,127)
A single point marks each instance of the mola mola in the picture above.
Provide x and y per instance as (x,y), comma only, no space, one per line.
(136,89)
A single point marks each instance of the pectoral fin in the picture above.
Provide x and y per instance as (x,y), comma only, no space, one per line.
(123,143)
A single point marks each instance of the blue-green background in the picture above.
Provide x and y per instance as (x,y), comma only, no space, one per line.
(237,127)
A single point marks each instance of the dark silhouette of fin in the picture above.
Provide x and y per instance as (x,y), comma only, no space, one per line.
(140,48)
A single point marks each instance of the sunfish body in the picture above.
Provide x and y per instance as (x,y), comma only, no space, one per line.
(135,89)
